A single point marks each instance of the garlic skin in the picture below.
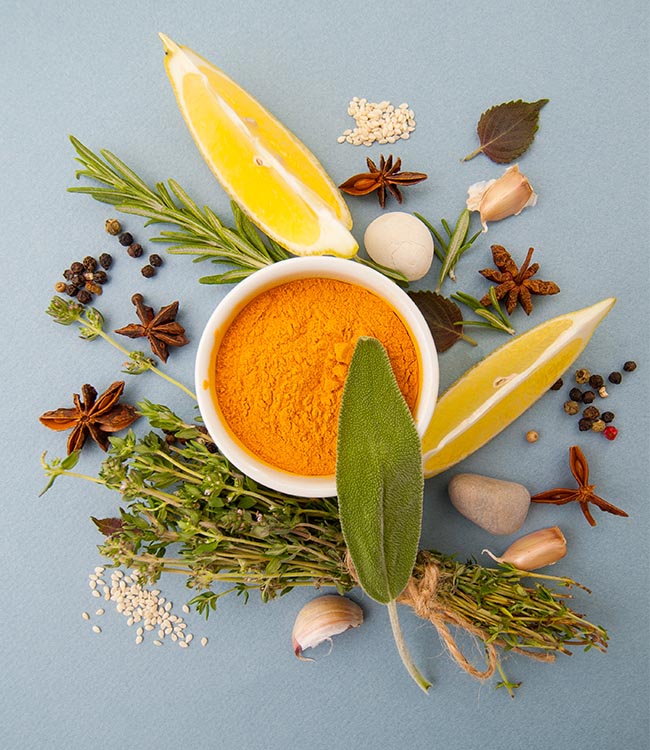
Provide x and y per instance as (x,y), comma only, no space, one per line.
(400,241)
(321,618)
(534,550)
(498,199)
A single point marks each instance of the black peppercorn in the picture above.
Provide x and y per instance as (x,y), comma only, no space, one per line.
(588,397)
(84,296)
(99,277)
(575,394)
(89,263)
(591,412)
(71,290)
(615,377)
(77,280)
(105,260)
(113,226)
(596,381)
(557,385)
(607,416)
(148,271)
(155,260)
(77,267)
(67,274)
(584,424)
(629,366)
(126,239)
(134,250)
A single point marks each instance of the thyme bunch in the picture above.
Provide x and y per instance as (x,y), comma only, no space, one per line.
(188,511)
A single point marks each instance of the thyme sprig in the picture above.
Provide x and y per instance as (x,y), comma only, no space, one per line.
(91,326)
(188,511)
(200,232)
(494,318)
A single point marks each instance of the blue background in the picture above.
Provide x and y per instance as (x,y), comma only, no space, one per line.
(96,70)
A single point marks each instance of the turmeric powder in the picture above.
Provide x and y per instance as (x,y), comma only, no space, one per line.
(282,363)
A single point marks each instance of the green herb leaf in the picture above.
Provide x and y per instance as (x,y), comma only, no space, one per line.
(507,130)
(379,477)
(443,317)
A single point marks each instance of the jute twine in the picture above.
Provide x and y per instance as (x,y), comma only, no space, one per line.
(421,594)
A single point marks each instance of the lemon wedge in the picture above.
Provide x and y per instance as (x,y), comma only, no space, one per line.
(493,393)
(275,179)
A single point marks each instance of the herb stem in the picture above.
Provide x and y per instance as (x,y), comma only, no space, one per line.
(415,673)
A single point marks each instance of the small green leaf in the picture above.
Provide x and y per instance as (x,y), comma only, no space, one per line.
(507,130)
(379,477)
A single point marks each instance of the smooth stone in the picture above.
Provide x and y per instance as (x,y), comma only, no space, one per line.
(495,505)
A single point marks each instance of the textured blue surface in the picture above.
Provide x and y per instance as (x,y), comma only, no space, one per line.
(95,70)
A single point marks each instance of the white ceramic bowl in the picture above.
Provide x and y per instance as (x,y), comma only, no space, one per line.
(272,276)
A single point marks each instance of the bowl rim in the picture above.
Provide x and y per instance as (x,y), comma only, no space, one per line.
(282,272)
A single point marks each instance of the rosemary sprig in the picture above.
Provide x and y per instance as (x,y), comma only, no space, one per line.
(495,318)
(189,511)
(91,325)
(450,251)
(200,232)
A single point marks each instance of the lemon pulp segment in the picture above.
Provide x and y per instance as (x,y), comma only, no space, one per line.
(261,165)
(492,394)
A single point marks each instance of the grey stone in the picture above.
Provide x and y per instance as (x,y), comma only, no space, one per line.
(495,505)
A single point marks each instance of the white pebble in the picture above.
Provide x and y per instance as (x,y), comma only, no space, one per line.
(400,241)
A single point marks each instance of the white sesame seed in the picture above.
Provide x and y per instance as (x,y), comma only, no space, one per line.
(139,640)
(189,637)
(148,627)
(92,584)
(117,574)
(183,644)
(99,612)
(85,615)
(157,643)
(96,629)
(99,570)
(96,593)
(204,641)
(186,609)
(174,637)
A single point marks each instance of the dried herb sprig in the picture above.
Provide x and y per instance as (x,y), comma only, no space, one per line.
(188,511)
(91,326)
(200,232)
(494,318)
(449,251)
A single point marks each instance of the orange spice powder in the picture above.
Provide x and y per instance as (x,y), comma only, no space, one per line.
(282,364)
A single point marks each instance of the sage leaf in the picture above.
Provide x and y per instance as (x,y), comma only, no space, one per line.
(507,130)
(444,318)
(379,478)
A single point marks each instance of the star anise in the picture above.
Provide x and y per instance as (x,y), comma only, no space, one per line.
(161,329)
(517,284)
(97,417)
(385,177)
(584,494)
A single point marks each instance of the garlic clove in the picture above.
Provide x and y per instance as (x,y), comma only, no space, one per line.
(498,199)
(534,550)
(321,618)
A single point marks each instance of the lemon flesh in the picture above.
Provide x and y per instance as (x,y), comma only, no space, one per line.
(275,179)
(493,393)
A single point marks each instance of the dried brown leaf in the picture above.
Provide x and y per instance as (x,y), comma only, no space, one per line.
(442,316)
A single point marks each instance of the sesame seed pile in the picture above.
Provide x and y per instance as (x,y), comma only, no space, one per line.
(141,606)
(378,121)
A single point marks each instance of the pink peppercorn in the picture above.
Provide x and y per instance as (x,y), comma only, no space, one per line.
(610,432)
